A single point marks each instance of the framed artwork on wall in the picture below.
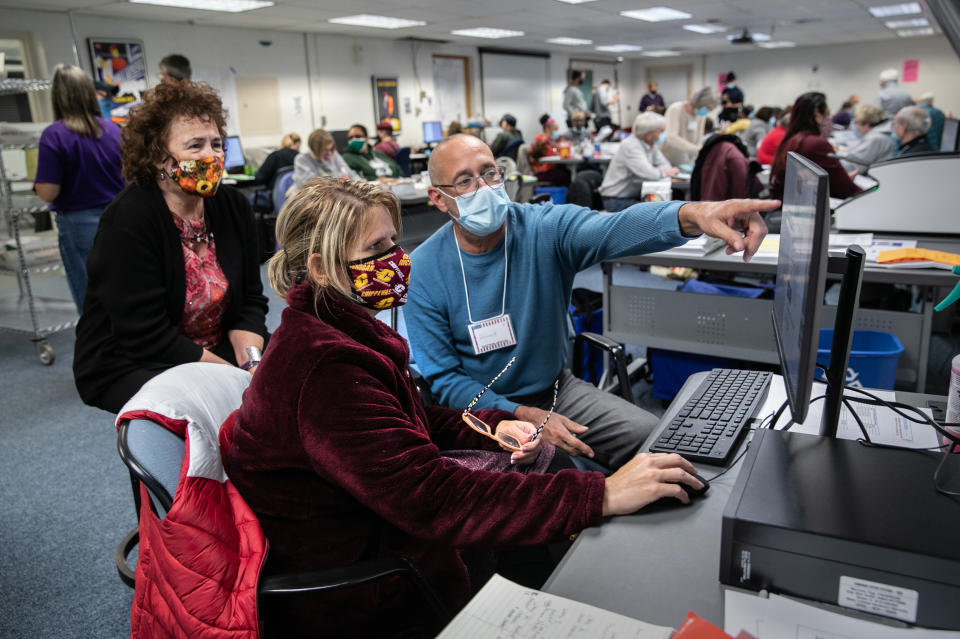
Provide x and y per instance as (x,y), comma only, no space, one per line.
(119,62)
(386,102)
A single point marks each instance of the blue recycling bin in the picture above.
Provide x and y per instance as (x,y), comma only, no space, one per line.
(874,356)
(558,194)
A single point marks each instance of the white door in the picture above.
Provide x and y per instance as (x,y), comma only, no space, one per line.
(515,84)
(674,82)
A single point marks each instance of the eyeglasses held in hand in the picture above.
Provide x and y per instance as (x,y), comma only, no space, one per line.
(481,427)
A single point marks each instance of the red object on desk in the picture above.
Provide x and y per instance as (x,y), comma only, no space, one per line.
(695,627)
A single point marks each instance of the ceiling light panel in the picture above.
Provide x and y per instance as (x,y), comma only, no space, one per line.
(705,29)
(619,48)
(572,42)
(487,32)
(656,14)
(377,22)
(906,24)
(575,1)
(905,9)
(660,53)
(777,44)
(228,6)
(909,33)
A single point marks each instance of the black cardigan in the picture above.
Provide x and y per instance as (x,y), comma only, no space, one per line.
(137,288)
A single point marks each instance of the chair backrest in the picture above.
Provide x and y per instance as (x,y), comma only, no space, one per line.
(281,186)
(152,444)
(523,160)
(402,158)
(584,190)
(511,149)
(509,166)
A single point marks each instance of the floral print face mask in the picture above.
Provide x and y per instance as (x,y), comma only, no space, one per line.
(198,177)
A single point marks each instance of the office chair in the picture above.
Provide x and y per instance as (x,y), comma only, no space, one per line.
(511,149)
(280,188)
(154,455)
(403,160)
(584,190)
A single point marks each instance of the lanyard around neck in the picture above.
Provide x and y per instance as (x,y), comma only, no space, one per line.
(466,293)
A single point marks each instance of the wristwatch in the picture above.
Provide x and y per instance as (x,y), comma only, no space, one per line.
(253,357)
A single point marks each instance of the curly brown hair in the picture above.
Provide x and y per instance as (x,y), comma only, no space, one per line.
(144,139)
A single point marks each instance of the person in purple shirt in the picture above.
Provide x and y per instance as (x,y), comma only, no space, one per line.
(78,169)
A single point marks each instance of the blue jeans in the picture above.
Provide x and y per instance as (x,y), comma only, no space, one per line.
(76,230)
(614,204)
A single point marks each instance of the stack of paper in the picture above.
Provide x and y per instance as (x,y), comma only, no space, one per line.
(505,609)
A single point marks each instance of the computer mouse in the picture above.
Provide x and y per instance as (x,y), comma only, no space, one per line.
(693,492)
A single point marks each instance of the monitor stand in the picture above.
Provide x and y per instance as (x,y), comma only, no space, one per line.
(850,267)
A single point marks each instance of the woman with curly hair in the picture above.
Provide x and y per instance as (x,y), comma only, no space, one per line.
(173,271)
(78,169)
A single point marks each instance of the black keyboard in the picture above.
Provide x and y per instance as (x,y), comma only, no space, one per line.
(710,424)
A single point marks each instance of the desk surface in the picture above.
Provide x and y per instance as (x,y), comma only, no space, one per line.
(718,260)
(660,563)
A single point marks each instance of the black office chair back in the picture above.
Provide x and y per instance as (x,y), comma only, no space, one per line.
(511,149)
(585,190)
(402,158)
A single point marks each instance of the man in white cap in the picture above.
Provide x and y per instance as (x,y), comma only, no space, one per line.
(937,118)
(891,98)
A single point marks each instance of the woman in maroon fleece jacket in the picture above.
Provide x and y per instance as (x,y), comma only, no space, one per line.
(335,452)
(808,118)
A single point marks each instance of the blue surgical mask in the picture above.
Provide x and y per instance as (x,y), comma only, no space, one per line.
(856,132)
(772,122)
(702,111)
(106,105)
(661,139)
(555,135)
(896,141)
(485,212)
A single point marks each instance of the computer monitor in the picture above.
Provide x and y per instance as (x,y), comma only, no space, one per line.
(432,132)
(233,151)
(801,277)
(340,139)
(802,270)
(951,133)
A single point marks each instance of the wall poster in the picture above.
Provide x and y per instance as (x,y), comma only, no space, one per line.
(386,102)
(121,63)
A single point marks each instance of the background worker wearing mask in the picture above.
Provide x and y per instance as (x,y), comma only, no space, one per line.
(367,161)
(637,160)
(518,264)
(322,159)
(684,126)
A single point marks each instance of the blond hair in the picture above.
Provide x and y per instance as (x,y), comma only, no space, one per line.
(869,114)
(318,142)
(325,217)
(75,100)
(289,140)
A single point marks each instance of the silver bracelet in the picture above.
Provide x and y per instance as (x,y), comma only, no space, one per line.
(253,357)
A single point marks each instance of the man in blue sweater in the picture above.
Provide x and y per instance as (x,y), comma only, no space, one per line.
(494,283)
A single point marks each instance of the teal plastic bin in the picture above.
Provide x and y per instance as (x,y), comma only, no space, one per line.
(558,194)
(873,358)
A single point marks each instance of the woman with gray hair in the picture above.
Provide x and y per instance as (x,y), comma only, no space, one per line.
(684,126)
(874,144)
(638,159)
(910,128)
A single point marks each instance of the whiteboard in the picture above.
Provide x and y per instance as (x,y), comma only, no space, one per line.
(222,80)
(518,85)
(450,87)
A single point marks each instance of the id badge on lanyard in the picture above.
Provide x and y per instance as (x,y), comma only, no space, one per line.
(492,334)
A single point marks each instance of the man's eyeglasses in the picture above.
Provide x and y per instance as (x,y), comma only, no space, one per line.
(467,186)
(481,427)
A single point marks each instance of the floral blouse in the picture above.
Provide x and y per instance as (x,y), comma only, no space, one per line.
(207,286)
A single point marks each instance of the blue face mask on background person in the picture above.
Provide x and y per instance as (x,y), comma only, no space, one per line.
(661,139)
(772,122)
(483,213)
(896,141)
(356,144)
(856,132)
(106,105)
(702,111)
(554,135)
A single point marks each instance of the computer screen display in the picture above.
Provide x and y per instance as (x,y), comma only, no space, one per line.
(951,131)
(234,161)
(432,132)
(801,273)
